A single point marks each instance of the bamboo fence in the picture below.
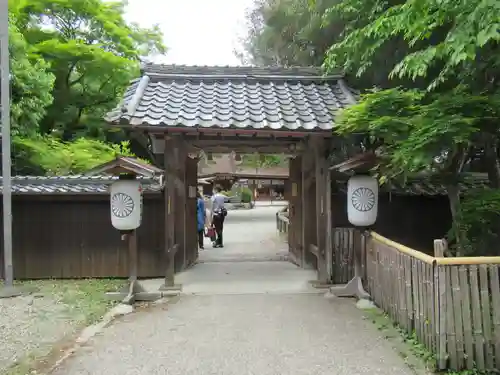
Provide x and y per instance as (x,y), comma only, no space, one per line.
(451,304)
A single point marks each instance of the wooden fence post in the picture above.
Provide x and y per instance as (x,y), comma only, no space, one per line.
(440,247)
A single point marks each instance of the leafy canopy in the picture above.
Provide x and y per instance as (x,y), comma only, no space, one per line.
(71,62)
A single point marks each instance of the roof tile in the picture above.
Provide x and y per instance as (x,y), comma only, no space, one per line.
(233,97)
(78,184)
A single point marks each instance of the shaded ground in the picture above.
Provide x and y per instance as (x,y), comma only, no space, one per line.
(31,325)
(242,313)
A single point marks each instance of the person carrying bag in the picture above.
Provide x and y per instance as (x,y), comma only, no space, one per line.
(219,214)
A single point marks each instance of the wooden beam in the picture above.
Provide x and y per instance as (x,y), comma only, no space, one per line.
(244,149)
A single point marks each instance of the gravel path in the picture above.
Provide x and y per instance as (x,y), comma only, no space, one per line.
(241,334)
(29,326)
(254,316)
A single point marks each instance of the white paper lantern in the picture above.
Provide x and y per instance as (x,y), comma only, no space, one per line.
(362,200)
(126,204)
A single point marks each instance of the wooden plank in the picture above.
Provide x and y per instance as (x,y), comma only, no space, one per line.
(416,297)
(364,255)
(344,251)
(421,296)
(457,297)
(378,271)
(432,307)
(486,314)
(409,292)
(402,308)
(395,290)
(450,322)
(440,246)
(476,317)
(466,316)
(428,298)
(354,253)
(335,254)
(381,275)
(370,266)
(440,316)
(495,311)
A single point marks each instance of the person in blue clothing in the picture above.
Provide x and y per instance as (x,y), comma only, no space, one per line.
(201,216)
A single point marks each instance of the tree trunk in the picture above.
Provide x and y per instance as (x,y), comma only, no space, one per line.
(454,169)
(454,200)
(491,162)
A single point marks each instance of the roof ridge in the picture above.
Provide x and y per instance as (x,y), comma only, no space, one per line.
(68,179)
(247,72)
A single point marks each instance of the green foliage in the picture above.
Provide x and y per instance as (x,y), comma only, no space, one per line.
(418,131)
(436,68)
(71,62)
(52,157)
(92,52)
(441,39)
(263,161)
(287,33)
(478,219)
(246,195)
(31,85)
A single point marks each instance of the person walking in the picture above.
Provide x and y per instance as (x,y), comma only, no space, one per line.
(200,218)
(219,213)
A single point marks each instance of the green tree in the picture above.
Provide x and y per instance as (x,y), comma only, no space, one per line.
(31,85)
(48,156)
(263,160)
(93,54)
(287,33)
(450,124)
(442,40)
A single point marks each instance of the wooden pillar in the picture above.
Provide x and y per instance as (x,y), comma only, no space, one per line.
(329,225)
(180,151)
(307,197)
(191,218)
(295,209)
(169,199)
(320,168)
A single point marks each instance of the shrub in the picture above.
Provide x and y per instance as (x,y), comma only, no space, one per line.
(246,195)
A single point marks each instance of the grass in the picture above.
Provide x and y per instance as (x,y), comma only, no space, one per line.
(414,356)
(83,302)
(409,348)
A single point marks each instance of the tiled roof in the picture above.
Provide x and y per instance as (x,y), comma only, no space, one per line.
(233,97)
(69,185)
(429,186)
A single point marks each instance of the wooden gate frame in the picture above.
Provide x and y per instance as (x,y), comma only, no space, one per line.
(310,216)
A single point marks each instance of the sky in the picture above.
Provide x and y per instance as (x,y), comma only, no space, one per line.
(196,32)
